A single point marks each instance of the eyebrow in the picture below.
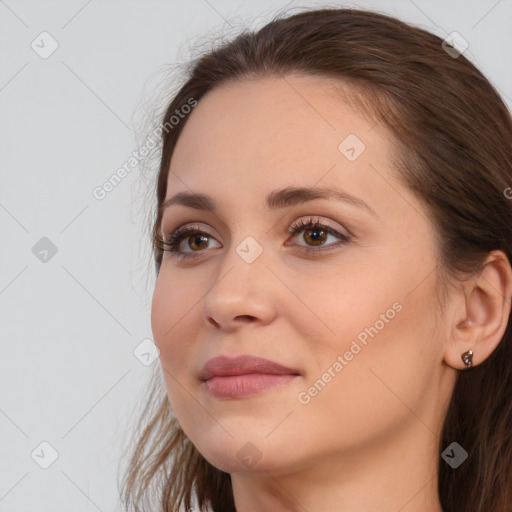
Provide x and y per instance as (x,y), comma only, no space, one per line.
(277,199)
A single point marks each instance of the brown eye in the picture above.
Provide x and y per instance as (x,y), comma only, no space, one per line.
(316,233)
(197,241)
(315,236)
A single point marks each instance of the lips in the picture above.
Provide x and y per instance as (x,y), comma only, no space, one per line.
(223,366)
(242,376)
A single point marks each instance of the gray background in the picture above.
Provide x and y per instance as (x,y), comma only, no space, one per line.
(69,324)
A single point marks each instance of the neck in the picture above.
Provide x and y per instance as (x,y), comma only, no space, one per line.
(398,473)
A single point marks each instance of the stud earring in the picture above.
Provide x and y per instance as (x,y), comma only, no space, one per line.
(467,359)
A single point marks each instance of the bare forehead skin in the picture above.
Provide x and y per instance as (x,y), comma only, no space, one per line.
(254,135)
(300,106)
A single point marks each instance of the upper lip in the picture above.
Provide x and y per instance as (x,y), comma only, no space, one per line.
(242,365)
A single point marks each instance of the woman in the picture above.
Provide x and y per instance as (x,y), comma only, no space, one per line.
(332,246)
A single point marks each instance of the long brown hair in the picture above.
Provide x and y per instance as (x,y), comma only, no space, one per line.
(452,136)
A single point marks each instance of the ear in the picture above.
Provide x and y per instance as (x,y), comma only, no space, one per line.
(482,312)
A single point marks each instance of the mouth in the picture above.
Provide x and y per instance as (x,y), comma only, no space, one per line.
(244,376)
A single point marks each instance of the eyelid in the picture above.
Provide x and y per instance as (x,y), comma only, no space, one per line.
(342,228)
(316,220)
(189,226)
(184,231)
(300,226)
(198,226)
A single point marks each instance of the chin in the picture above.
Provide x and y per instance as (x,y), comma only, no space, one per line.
(247,459)
(249,451)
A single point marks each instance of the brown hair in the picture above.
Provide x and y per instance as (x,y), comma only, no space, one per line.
(452,136)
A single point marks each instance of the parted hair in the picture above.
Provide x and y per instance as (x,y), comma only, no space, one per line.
(452,146)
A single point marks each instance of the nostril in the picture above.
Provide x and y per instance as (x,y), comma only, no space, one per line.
(245,317)
(213,322)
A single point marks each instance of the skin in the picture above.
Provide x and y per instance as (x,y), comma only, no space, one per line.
(369,439)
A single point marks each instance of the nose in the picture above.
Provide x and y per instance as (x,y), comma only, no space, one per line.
(241,293)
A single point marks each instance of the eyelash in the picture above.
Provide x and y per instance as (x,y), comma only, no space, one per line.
(179,234)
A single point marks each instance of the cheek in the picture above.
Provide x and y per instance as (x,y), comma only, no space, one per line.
(172,306)
(375,392)
(171,311)
(344,306)
(384,333)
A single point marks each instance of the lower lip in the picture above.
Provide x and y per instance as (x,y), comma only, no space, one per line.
(240,386)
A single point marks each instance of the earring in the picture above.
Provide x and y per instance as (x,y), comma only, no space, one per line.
(467,359)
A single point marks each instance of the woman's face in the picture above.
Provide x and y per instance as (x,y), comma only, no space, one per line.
(354,320)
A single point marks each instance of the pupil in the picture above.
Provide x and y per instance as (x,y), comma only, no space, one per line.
(318,235)
(199,237)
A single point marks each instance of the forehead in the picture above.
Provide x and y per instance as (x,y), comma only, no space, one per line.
(255,135)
